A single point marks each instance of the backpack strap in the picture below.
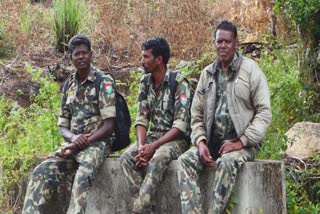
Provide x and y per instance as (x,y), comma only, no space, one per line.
(173,83)
(64,90)
(97,84)
(65,87)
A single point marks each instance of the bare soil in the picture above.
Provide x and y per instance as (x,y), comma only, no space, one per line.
(16,83)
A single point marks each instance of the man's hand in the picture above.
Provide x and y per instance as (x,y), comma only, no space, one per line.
(146,152)
(230,146)
(204,155)
(69,149)
(81,140)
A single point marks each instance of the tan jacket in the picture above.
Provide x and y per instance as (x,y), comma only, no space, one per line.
(248,102)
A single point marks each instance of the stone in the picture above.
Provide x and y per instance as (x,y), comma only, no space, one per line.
(259,188)
(303,140)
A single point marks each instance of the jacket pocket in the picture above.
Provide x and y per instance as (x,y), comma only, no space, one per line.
(242,89)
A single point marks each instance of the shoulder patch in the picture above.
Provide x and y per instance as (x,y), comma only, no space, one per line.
(183,99)
(108,88)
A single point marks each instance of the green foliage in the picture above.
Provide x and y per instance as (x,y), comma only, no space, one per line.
(68,15)
(32,15)
(305,14)
(194,68)
(291,103)
(25,20)
(6,43)
(132,100)
(290,100)
(303,186)
(26,134)
(31,130)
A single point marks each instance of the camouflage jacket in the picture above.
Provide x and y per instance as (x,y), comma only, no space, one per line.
(158,114)
(248,100)
(81,110)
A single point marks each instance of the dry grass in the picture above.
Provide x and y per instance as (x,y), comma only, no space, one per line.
(117,28)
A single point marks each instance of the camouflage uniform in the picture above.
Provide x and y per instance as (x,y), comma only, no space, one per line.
(163,113)
(219,100)
(82,113)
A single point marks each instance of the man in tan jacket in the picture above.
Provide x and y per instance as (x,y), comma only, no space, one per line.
(230,114)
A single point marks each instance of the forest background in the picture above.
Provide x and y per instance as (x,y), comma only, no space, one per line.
(282,36)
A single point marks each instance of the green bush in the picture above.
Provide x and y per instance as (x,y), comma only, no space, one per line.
(33,17)
(68,15)
(6,43)
(290,99)
(290,103)
(132,100)
(31,130)
(26,134)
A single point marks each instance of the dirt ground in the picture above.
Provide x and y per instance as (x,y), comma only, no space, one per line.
(117,38)
(16,83)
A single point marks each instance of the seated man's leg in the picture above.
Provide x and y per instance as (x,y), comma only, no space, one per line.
(90,160)
(132,173)
(154,174)
(189,166)
(225,177)
(46,180)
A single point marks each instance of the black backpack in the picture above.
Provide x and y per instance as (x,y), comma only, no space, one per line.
(121,138)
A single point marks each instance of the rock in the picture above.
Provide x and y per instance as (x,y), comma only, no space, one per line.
(259,188)
(303,140)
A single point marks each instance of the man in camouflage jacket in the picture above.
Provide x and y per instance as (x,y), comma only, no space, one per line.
(86,123)
(230,114)
(161,126)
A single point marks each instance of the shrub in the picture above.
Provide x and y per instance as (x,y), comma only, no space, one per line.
(6,44)
(67,21)
(27,133)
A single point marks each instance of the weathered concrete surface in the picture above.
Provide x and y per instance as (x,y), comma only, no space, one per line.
(304,140)
(260,188)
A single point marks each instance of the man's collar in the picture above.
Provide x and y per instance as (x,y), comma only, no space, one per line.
(166,77)
(91,75)
(234,65)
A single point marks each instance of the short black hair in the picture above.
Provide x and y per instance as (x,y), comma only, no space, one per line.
(159,47)
(78,40)
(228,26)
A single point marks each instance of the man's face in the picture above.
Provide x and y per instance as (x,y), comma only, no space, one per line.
(81,57)
(226,46)
(149,62)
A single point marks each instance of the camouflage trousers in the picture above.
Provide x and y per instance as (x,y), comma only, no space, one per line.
(143,182)
(226,169)
(57,177)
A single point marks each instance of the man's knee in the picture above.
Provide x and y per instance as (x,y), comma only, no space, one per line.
(41,171)
(183,161)
(188,159)
(125,159)
(159,161)
(229,160)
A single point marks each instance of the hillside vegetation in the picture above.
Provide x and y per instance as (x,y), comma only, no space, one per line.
(33,66)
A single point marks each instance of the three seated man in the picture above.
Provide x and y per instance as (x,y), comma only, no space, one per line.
(230,113)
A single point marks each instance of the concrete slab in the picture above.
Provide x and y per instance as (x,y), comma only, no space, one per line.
(260,188)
